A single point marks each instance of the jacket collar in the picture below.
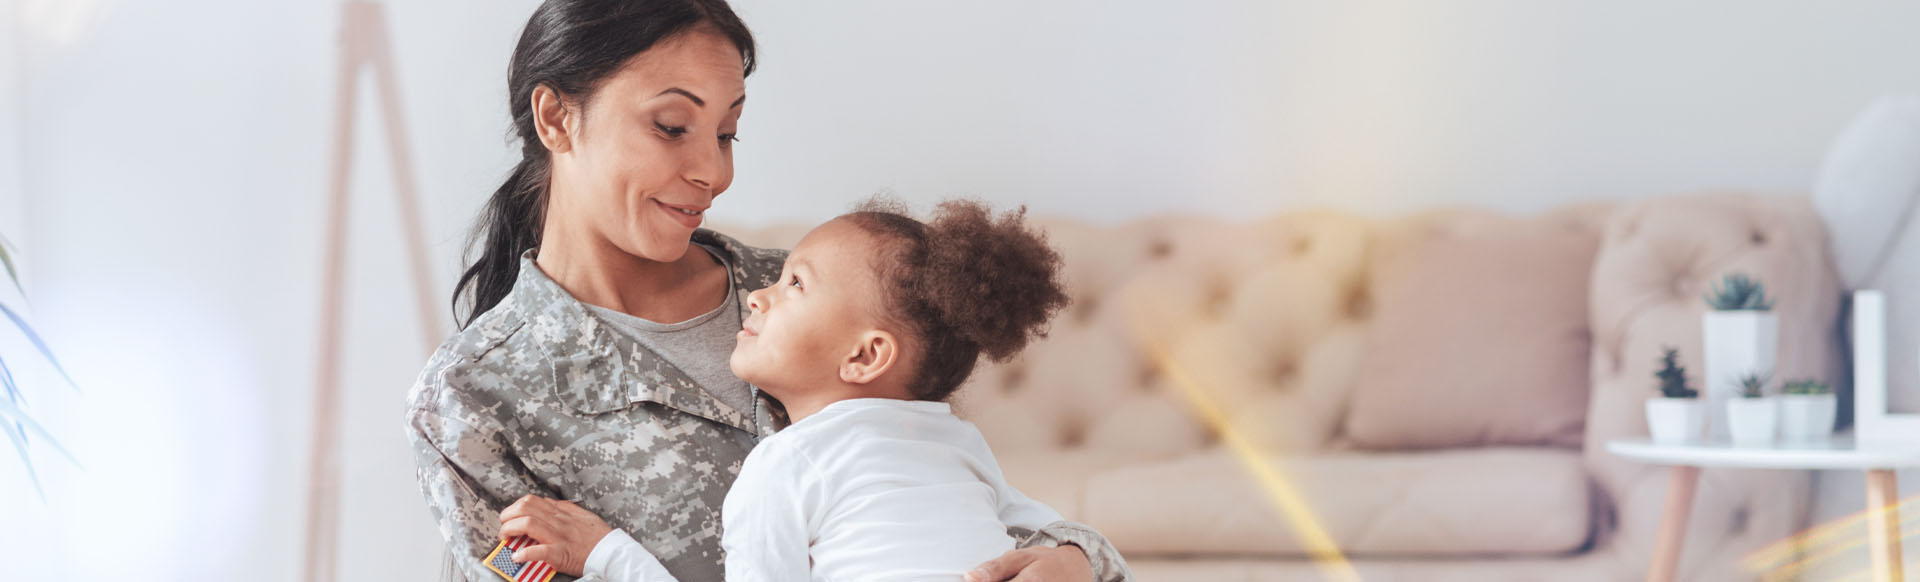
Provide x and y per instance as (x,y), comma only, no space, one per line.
(596,369)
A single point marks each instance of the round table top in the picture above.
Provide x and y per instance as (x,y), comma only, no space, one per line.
(1836,452)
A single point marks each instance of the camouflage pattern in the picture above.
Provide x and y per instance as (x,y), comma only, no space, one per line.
(537,396)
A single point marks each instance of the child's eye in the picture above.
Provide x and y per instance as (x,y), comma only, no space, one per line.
(795,281)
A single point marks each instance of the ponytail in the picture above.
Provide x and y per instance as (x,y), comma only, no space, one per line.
(510,224)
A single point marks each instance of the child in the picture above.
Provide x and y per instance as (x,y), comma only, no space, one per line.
(876,320)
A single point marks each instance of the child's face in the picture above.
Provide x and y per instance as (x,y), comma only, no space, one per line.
(804,326)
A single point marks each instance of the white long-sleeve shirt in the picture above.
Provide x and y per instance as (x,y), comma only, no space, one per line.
(864,489)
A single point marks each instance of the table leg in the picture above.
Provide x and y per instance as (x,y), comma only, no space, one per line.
(1673,523)
(1883,524)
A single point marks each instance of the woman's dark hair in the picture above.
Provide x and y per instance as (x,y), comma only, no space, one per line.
(570,46)
(964,284)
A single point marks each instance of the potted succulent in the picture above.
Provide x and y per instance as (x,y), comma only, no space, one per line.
(1807,409)
(1675,416)
(1753,417)
(1740,336)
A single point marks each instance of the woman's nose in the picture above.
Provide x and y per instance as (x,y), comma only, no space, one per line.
(708,168)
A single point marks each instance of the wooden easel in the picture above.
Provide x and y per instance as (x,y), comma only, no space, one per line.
(363,44)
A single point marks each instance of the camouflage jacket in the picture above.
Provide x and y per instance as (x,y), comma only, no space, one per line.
(537,396)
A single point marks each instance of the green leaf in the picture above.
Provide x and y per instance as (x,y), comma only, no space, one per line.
(20,445)
(38,343)
(6,259)
(10,412)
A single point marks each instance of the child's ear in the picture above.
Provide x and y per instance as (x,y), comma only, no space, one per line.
(874,355)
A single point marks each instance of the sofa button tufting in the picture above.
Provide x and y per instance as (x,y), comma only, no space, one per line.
(1160,249)
(1013,377)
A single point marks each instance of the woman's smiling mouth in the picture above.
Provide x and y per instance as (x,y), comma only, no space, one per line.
(691,216)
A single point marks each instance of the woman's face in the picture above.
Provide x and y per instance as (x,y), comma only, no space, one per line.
(652,147)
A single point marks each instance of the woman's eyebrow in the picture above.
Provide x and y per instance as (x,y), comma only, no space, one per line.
(697,101)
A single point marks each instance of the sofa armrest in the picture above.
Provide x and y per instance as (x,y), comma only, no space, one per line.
(1658,257)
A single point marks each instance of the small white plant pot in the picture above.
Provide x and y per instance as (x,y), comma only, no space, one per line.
(1736,343)
(1807,417)
(1751,421)
(1675,420)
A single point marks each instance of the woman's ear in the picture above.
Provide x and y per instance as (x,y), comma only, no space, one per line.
(873,356)
(552,119)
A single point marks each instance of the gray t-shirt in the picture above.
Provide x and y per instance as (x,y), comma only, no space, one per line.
(701,347)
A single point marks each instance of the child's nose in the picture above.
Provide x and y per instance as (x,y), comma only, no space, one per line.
(757,300)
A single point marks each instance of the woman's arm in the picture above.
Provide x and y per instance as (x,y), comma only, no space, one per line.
(577,542)
(1051,548)
(1063,551)
(1057,549)
(466,473)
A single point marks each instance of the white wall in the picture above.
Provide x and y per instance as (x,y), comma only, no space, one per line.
(173,158)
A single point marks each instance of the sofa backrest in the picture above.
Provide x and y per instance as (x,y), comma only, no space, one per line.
(1181,327)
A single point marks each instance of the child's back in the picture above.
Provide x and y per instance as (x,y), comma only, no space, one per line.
(872,489)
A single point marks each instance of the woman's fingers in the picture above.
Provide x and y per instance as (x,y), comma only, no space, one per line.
(542,552)
(1004,567)
(563,532)
(521,506)
(519,526)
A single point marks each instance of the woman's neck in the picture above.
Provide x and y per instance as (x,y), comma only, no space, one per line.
(596,272)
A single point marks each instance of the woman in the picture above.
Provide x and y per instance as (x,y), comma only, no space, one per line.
(563,382)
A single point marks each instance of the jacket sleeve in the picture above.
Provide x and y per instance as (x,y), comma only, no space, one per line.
(468,474)
(1107,564)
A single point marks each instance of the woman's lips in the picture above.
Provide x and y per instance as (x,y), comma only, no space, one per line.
(680,213)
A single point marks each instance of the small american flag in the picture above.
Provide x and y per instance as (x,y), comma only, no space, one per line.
(501,561)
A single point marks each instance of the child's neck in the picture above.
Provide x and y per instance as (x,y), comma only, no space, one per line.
(801,404)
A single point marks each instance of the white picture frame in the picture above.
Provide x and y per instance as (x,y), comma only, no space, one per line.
(1872,422)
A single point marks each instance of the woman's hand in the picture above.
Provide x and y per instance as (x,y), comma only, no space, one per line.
(563,532)
(1067,563)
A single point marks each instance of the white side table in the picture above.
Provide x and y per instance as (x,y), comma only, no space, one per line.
(1840,452)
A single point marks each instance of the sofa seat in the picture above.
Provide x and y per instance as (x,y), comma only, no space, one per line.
(1447,503)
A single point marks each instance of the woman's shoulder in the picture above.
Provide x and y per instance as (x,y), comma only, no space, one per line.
(495,357)
(757,267)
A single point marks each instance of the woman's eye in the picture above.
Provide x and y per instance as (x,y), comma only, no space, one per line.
(727,139)
(671,131)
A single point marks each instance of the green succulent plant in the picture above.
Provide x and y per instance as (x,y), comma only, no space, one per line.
(1673,377)
(1753,384)
(1738,292)
(1806,387)
(18,425)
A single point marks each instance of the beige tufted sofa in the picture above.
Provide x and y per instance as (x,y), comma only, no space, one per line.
(1210,371)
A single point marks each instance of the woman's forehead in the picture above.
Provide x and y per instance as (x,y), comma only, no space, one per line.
(703,63)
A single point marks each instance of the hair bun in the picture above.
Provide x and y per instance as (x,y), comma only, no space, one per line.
(992,280)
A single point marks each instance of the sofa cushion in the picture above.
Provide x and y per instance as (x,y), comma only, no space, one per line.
(1492,501)
(1479,336)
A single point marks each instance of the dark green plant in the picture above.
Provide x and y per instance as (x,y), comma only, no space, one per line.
(1738,292)
(1673,378)
(1806,387)
(14,420)
(1753,384)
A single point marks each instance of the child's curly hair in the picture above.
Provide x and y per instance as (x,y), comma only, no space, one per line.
(965,283)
